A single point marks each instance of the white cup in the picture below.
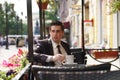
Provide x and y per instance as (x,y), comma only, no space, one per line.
(69,59)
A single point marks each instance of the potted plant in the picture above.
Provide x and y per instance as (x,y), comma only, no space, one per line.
(44,4)
(105,54)
(115,6)
(44,1)
(14,65)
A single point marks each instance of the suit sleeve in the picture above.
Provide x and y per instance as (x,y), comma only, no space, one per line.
(41,53)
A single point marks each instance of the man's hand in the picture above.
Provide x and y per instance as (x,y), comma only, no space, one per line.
(58,58)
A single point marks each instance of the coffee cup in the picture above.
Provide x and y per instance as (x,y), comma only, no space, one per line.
(69,59)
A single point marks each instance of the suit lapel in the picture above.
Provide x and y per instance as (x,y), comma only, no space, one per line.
(50,47)
(65,47)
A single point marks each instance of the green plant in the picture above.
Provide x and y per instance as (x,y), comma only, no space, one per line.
(115,6)
(44,1)
(14,64)
(6,76)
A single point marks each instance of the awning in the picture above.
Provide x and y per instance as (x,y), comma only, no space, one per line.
(66,24)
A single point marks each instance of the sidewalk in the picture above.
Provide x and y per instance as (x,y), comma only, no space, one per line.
(6,53)
(91,61)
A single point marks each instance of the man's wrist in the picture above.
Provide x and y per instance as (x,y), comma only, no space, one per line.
(49,59)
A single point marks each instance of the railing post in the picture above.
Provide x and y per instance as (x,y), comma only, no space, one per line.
(30,30)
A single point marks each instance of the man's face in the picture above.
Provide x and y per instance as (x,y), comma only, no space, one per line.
(56,33)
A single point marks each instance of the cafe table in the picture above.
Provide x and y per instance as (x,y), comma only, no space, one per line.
(70,72)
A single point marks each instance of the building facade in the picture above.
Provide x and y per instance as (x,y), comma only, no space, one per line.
(101,29)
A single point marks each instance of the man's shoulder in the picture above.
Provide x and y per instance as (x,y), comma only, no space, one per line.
(44,41)
(64,43)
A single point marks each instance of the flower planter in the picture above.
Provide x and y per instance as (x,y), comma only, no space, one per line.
(105,54)
(23,74)
(16,66)
(44,5)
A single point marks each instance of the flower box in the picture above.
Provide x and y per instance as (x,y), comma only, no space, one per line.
(44,5)
(105,54)
(23,74)
(15,66)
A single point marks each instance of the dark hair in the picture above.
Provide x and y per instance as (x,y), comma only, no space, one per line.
(57,23)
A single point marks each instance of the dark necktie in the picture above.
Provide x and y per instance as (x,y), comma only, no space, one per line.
(58,46)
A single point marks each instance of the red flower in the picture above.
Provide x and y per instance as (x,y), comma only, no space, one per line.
(20,51)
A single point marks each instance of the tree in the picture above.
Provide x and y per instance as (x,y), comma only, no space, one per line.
(51,12)
(12,22)
(2,22)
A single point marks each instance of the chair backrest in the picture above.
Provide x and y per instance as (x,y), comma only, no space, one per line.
(75,50)
(79,55)
(69,73)
(86,75)
(105,67)
(111,75)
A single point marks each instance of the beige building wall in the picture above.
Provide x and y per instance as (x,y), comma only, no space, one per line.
(103,22)
(107,26)
(103,28)
(91,11)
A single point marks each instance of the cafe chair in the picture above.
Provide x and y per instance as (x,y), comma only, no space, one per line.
(111,75)
(79,55)
(79,72)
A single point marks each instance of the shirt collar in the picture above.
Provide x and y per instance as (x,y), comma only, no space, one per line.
(54,44)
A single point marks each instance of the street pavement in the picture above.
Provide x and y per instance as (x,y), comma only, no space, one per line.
(6,53)
(115,63)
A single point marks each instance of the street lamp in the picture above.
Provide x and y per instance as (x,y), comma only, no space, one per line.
(9,8)
(21,27)
(17,20)
(6,29)
(21,24)
(7,11)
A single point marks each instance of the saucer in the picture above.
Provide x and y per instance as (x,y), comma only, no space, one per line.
(69,64)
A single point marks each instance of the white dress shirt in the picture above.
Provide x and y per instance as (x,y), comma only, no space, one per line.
(55,51)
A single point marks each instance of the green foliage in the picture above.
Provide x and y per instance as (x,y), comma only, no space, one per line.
(51,12)
(2,22)
(44,1)
(25,29)
(115,6)
(4,77)
(51,15)
(19,59)
(12,22)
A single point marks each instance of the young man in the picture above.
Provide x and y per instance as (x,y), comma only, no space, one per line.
(52,51)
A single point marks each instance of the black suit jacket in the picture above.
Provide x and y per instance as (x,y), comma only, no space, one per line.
(45,48)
